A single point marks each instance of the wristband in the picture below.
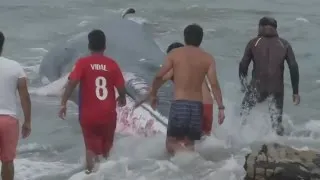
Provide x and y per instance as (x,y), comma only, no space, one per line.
(221,107)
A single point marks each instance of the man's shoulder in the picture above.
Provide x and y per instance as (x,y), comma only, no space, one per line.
(14,66)
(110,62)
(205,55)
(81,60)
(94,59)
(86,58)
(182,51)
(10,62)
(254,40)
(284,41)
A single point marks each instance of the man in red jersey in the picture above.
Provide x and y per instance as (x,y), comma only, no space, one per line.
(97,75)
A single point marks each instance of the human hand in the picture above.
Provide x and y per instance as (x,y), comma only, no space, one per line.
(221,116)
(63,112)
(153,101)
(296,99)
(26,129)
(122,101)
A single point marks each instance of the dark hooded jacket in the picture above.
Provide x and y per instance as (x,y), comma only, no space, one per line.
(268,52)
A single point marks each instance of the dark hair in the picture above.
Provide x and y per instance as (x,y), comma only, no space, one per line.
(173,46)
(97,40)
(193,35)
(268,21)
(1,41)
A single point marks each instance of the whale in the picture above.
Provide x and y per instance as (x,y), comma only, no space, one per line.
(128,43)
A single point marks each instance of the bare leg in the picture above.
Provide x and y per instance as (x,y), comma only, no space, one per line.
(7,170)
(189,144)
(176,145)
(169,147)
(107,151)
(96,159)
(106,155)
(90,157)
(108,138)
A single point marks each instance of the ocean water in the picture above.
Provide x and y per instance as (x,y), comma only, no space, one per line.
(55,148)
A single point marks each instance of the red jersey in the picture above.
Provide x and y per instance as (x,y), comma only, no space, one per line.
(98,76)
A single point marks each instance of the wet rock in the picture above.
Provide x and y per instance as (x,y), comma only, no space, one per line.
(280,162)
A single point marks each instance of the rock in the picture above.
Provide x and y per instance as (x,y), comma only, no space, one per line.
(280,162)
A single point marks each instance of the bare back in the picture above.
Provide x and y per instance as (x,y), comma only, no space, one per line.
(190,66)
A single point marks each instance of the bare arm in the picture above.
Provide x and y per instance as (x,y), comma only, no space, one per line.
(122,93)
(159,79)
(24,99)
(208,86)
(294,69)
(212,77)
(74,79)
(68,91)
(168,76)
(165,78)
(244,64)
(119,83)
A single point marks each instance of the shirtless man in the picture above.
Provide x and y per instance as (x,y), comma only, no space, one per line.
(207,98)
(190,66)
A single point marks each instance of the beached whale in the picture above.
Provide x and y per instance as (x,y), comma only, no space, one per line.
(128,42)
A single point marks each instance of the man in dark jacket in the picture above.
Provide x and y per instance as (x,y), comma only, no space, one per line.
(268,52)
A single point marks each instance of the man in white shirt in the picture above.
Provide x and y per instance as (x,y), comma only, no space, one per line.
(12,79)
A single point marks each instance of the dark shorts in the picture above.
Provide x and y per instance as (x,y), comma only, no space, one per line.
(185,119)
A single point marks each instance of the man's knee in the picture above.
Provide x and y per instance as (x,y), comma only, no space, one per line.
(7,162)
(169,145)
(7,166)
(7,170)
(189,142)
(8,158)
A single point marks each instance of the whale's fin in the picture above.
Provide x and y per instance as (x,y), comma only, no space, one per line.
(128,11)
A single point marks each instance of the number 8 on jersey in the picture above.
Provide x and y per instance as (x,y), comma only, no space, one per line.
(101,88)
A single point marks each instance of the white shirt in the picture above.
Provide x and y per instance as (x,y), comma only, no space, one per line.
(10,72)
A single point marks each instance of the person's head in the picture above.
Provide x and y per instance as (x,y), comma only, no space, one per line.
(267,26)
(268,21)
(97,41)
(1,42)
(174,46)
(193,35)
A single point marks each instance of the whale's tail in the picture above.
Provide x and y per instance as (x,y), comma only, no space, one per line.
(128,11)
